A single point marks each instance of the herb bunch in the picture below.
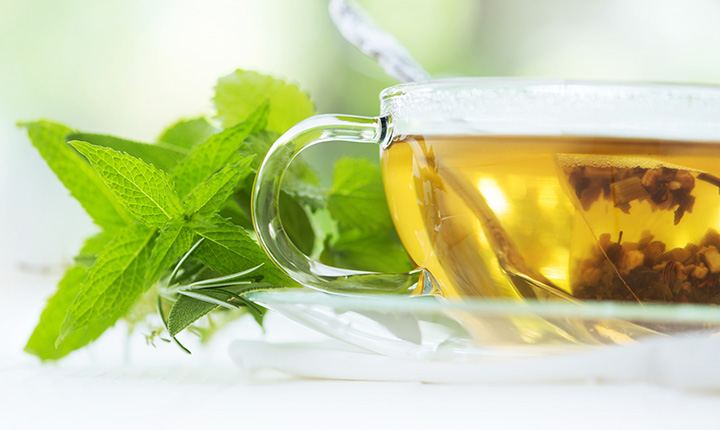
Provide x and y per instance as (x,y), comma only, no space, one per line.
(174,216)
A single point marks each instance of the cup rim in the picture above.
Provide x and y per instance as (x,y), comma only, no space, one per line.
(481,82)
(530,106)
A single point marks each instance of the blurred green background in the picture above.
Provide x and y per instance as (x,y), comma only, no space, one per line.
(132,67)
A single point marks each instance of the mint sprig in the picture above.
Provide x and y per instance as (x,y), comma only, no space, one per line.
(175,215)
(83,182)
(217,152)
(162,155)
(143,190)
(113,284)
(42,340)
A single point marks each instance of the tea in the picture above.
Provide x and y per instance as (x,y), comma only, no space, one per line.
(560,216)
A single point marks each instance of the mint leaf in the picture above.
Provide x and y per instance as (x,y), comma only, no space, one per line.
(113,284)
(377,251)
(358,205)
(228,249)
(160,155)
(238,214)
(154,201)
(76,174)
(42,340)
(207,197)
(143,190)
(309,193)
(172,242)
(357,197)
(300,180)
(258,144)
(296,224)
(240,93)
(92,247)
(188,133)
(217,152)
(186,311)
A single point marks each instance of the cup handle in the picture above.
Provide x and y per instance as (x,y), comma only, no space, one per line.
(266,216)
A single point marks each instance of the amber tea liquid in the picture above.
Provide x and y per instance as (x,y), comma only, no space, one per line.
(560,217)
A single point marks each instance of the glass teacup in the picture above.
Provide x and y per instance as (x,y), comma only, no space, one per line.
(511,188)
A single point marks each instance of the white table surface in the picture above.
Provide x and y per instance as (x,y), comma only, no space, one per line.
(121,383)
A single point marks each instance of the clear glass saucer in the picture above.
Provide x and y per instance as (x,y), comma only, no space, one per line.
(430,328)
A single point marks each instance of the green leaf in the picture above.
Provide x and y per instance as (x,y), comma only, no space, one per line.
(192,270)
(172,242)
(113,284)
(142,189)
(188,133)
(160,155)
(296,224)
(228,249)
(208,197)
(76,174)
(300,180)
(186,310)
(42,340)
(377,251)
(258,144)
(357,198)
(240,93)
(365,237)
(238,214)
(307,193)
(92,247)
(214,154)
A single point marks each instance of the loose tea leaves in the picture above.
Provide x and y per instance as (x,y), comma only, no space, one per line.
(664,188)
(647,271)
